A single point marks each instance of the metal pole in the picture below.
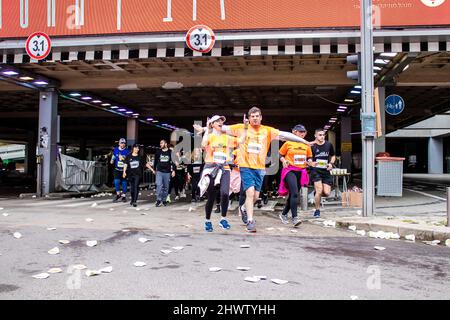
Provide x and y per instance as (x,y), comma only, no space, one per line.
(448,206)
(304,199)
(39,175)
(367,103)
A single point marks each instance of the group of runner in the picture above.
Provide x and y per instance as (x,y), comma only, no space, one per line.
(235,159)
(250,141)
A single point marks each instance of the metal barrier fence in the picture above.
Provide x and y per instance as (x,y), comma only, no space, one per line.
(148,179)
(95,175)
(100,173)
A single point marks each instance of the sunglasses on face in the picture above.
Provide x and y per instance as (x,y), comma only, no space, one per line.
(320,134)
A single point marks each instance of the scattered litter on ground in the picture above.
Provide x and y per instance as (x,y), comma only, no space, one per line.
(139,264)
(379,248)
(178,248)
(447,242)
(279,281)
(410,237)
(51,229)
(91,273)
(79,267)
(243,268)
(91,243)
(143,240)
(89,220)
(41,276)
(384,235)
(106,269)
(329,223)
(215,269)
(6,214)
(55,250)
(166,251)
(17,235)
(432,243)
(252,279)
(354,297)
(55,270)
(111,209)
(270,229)
(126,230)
(353,228)
(244,246)
(261,277)
(169,235)
(361,232)
(94,205)
(64,241)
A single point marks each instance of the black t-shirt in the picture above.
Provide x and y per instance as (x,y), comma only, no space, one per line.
(134,165)
(163,161)
(322,154)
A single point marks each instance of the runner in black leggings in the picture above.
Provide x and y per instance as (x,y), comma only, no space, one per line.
(223,192)
(133,168)
(218,147)
(295,157)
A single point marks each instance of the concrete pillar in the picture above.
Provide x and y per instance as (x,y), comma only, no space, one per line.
(48,112)
(346,143)
(132,131)
(435,155)
(89,154)
(30,154)
(332,138)
(380,143)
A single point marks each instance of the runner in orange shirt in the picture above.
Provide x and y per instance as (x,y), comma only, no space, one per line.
(295,157)
(218,147)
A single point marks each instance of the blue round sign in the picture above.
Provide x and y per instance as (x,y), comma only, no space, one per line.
(394,104)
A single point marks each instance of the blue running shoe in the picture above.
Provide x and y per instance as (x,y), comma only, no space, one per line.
(317,213)
(208,226)
(224,224)
(251,226)
(243,214)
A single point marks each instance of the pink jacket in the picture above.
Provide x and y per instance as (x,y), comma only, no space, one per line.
(283,190)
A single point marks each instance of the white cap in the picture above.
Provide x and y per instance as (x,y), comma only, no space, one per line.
(215,118)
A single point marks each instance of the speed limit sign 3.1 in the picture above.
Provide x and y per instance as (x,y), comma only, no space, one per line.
(38,45)
(200,38)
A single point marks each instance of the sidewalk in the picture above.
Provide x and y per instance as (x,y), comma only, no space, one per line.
(428,177)
(416,214)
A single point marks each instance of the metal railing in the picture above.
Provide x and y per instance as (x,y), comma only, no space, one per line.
(95,175)
(148,179)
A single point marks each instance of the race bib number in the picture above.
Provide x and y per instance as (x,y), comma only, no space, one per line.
(299,159)
(134,164)
(196,169)
(254,148)
(119,164)
(219,157)
(164,159)
(322,164)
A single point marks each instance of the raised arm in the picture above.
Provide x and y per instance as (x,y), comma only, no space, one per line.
(288,136)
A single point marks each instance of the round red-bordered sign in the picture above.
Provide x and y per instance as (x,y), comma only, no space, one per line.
(38,45)
(200,38)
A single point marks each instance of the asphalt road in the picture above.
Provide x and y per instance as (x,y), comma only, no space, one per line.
(318,262)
